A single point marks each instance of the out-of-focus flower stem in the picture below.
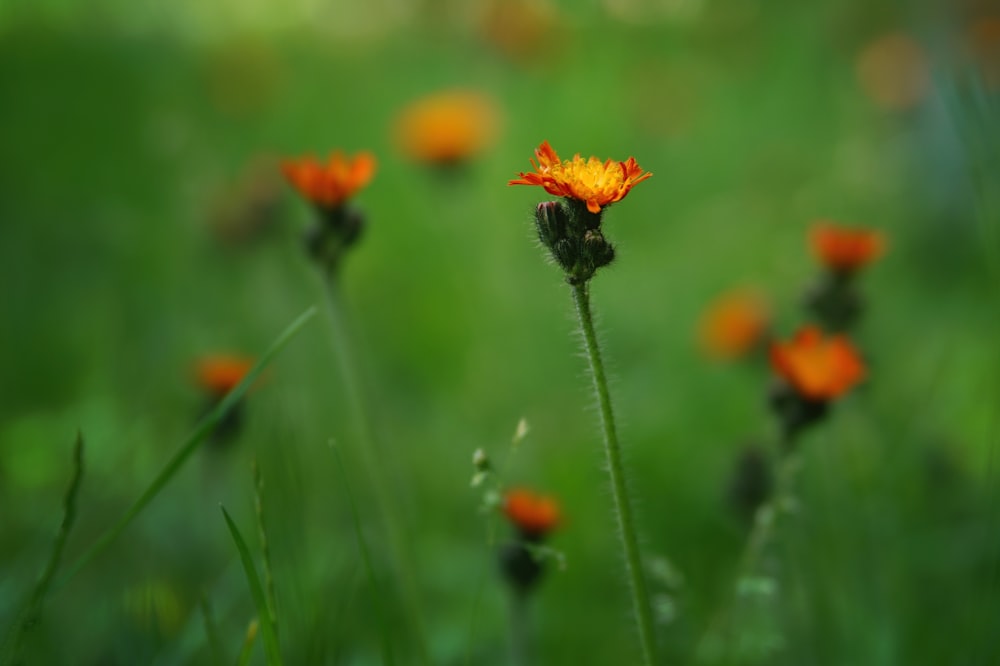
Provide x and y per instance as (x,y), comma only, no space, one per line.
(372,460)
(619,489)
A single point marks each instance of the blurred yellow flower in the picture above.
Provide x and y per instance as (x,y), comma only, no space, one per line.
(591,181)
(329,186)
(447,127)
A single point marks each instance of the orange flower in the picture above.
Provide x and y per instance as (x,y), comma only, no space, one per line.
(535,515)
(594,182)
(819,369)
(448,127)
(845,250)
(734,324)
(984,47)
(331,185)
(220,374)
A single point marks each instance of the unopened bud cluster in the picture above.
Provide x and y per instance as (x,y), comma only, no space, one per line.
(333,233)
(834,301)
(573,236)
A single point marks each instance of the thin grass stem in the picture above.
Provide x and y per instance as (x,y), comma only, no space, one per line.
(265,550)
(387,657)
(205,427)
(249,641)
(271,646)
(33,610)
(373,463)
(619,486)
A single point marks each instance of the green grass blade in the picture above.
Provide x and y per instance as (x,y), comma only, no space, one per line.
(33,609)
(265,549)
(271,648)
(201,432)
(247,650)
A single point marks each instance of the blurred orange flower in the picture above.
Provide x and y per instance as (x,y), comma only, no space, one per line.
(984,47)
(220,374)
(524,30)
(329,186)
(843,249)
(819,368)
(893,72)
(535,515)
(448,127)
(594,182)
(734,324)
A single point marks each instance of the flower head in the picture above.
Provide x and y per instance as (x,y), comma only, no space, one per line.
(218,375)
(448,127)
(845,250)
(329,186)
(820,369)
(591,181)
(893,71)
(734,324)
(534,515)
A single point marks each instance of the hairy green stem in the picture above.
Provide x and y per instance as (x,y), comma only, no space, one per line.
(619,487)
(519,655)
(761,534)
(371,459)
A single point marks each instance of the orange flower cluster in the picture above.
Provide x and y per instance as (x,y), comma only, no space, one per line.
(447,128)
(534,515)
(820,369)
(591,181)
(845,250)
(735,324)
(329,186)
(218,375)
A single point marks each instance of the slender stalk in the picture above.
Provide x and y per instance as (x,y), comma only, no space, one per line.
(761,535)
(387,657)
(371,459)
(32,612)
(518,629)
(271,648)
(265,547)
(202,431)
(619,487)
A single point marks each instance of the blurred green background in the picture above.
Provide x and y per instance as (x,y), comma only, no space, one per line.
(134,136)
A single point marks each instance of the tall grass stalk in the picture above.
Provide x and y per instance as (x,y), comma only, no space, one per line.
(619,486)
(205,427)
(271,646)
(373,462)
(249,641)
(33,610)
(265,550)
